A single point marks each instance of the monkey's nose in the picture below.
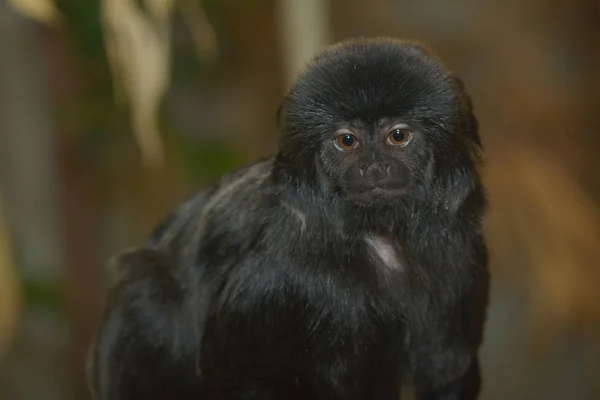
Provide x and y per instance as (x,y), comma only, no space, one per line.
(374,173)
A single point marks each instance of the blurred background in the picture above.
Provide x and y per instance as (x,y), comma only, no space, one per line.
(112,111)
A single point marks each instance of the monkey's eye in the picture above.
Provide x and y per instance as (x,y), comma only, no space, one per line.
(399,137)
(346,142)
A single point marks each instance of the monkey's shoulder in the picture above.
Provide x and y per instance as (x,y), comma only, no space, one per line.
(232,193)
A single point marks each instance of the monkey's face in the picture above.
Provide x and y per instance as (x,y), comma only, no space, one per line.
(373,120)
(373,162)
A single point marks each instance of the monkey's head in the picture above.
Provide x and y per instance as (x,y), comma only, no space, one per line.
(375,120)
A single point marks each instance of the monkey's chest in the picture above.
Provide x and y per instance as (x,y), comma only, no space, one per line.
(294,320)
(298,354)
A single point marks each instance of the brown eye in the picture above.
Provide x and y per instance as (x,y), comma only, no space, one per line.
(399,137)
(346,142)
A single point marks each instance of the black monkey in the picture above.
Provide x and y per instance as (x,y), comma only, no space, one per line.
(352,260)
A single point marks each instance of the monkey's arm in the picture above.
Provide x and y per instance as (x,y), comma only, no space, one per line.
(446,362)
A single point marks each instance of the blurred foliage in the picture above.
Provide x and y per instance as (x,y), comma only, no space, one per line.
(43,10)
(42,294)
(10,296)
(539,205)
(132,39)
(530,66)
(207,160)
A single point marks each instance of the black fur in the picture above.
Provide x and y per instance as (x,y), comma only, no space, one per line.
(267,285)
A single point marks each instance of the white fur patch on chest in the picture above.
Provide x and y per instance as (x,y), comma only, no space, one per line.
(383,249)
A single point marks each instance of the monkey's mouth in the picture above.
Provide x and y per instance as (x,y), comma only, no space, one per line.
(376,195)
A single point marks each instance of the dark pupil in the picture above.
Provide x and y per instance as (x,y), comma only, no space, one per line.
(399,135)
(348,140)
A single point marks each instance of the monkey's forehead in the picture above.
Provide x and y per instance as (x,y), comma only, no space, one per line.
(375,77)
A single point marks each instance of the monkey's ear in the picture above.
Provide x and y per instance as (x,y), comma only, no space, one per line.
(281,113)
(469,125)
